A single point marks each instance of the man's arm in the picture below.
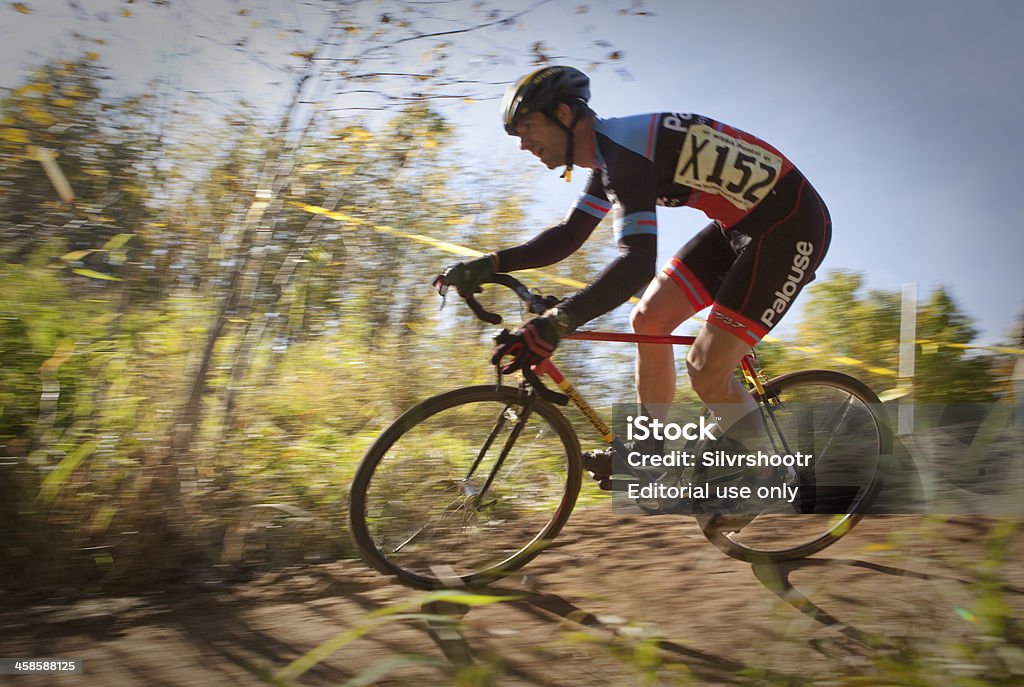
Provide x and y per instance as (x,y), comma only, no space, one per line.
(562,240)
(621,279)
(632,184)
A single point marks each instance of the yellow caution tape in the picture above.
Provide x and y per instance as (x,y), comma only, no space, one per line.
(456,249)
(446,246)
(995,349)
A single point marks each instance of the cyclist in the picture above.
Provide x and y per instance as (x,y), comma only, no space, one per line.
(768,234)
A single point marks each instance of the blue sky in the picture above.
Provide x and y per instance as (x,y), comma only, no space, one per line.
(902,114)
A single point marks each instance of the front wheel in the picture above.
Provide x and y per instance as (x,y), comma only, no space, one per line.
(841,423)
(465,487)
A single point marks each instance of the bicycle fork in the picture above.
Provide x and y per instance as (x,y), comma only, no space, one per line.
(508,414)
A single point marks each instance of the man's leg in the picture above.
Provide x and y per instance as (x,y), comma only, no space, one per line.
(780,250)
(711,364)
(661,309)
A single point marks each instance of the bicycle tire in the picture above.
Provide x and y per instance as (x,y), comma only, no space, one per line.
(417,514)
(799,399)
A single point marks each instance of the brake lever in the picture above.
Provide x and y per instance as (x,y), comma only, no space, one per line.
(530,376)
(478,310)
(540,304)
(442,289)
(547,394)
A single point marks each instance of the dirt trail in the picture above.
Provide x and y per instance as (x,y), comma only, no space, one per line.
(706,619)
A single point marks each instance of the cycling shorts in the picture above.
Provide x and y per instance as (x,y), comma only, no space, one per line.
(751,272)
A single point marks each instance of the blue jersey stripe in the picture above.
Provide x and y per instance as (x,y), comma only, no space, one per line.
(637,223)
(634,133)
(592,205)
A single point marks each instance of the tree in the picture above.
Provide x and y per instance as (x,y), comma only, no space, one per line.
(840,321)
(60,115)
(191,277)
(945,373)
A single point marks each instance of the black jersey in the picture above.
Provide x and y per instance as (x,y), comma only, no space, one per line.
(677,159)
(764,213)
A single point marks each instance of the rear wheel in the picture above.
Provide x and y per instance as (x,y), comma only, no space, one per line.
(841,423)
(465,487)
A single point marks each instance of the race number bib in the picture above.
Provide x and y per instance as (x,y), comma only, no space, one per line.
(715,162)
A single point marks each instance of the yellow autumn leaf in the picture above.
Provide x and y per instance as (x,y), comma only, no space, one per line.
(21,7)
(430,143)
(126,12)
(117,242)
(92,56)
(37,115)
(102,519)
(14,135)
(64,102)
(93,274)
(76,255)
(34,87)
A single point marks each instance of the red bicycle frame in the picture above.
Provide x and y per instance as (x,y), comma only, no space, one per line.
(549,369)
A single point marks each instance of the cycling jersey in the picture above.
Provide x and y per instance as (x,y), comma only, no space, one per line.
(769,234)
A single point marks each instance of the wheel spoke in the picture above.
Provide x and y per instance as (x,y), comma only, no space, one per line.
(467,482)
(835,419)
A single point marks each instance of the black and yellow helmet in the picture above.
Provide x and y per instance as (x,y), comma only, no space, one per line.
(541,91)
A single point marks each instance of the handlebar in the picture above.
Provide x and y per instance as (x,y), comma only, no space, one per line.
(534,302)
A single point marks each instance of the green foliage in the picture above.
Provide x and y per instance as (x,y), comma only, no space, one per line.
(944,373)
(840,321)
(317,332)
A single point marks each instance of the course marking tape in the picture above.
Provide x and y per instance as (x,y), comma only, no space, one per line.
(463,251)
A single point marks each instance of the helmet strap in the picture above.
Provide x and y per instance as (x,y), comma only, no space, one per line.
(567,174)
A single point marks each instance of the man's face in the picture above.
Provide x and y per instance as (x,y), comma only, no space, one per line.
(542,137)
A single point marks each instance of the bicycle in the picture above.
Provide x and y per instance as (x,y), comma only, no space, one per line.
(472,484)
